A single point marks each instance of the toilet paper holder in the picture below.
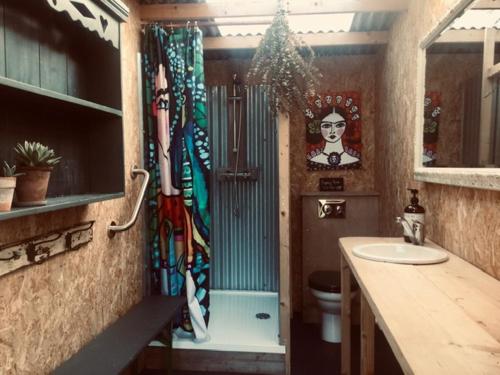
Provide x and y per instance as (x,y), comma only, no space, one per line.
(331,208)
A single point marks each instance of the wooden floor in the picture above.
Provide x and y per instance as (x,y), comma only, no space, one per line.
(311,355)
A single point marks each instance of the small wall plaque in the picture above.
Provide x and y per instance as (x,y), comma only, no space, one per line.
(331,184)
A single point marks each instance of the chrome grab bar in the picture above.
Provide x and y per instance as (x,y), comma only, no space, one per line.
(113,227)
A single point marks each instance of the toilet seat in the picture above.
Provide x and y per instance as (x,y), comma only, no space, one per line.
(326,281)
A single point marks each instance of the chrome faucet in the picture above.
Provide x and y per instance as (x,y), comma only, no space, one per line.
(416,231)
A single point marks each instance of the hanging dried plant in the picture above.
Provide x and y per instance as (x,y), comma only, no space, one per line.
(278,64)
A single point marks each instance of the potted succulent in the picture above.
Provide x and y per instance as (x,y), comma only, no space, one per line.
(35,161)
(7,186)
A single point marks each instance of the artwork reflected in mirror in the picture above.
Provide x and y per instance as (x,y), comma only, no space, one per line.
(333,131)
(462,101)
(432,114)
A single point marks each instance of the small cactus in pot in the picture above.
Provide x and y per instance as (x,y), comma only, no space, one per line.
(10,171)
(7,186)
(35,161)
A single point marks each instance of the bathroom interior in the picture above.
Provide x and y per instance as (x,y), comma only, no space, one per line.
(250,187)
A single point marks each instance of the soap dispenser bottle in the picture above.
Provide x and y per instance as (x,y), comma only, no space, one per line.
(413,212)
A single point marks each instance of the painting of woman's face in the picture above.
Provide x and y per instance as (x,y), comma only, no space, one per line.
(333,131)
(333,127)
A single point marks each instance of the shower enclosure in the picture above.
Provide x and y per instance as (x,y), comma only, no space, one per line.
(244,308)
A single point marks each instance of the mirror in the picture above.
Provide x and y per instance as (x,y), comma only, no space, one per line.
(461,104)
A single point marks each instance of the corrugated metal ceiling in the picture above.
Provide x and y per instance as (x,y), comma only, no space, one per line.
(477,19)
(472,19)
(381,21)
(362,22)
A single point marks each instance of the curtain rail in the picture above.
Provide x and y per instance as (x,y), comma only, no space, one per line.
(167,24)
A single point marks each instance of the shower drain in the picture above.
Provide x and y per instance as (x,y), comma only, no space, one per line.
(262,316)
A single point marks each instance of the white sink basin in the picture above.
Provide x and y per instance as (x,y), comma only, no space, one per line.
(400,253)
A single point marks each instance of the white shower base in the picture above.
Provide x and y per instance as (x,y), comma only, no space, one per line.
(234,327)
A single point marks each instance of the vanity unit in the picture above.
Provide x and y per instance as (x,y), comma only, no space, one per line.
(438,319)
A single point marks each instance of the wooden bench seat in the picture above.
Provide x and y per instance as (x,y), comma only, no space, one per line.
(116,348)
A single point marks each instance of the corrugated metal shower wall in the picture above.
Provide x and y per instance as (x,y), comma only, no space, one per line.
(244,249)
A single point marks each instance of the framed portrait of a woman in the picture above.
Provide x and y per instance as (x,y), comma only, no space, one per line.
(333,131)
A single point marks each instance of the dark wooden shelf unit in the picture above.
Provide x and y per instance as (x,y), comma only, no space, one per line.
(60,84)
(47,49)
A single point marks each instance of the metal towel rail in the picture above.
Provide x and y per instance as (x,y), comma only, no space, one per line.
(113,228)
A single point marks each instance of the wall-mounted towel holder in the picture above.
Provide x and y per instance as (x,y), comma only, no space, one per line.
(113,227)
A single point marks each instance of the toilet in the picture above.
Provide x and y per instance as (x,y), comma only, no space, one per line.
(325,287)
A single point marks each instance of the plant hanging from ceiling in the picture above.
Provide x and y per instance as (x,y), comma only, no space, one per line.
(278,64)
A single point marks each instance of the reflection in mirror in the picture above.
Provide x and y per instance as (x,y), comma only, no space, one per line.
(462,93)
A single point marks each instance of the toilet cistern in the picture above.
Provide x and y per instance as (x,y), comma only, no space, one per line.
(416,231)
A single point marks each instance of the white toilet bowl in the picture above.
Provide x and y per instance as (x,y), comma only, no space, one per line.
(325,287)
(329,303)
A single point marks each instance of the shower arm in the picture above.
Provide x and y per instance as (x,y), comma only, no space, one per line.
(113,227)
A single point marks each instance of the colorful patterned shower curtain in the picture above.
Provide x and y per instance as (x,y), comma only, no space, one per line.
(177,156)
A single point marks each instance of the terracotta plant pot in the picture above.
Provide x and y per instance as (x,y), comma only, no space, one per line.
(7,186)
(32,186)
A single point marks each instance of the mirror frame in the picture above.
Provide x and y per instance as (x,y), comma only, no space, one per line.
(479,178)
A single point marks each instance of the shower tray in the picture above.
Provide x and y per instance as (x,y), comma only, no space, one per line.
(235,325)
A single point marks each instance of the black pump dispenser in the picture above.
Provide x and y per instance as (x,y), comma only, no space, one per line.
(414,199)
(413,212)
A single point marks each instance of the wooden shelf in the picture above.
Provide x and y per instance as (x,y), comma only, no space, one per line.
(60,84)
(59,203)
(53,95)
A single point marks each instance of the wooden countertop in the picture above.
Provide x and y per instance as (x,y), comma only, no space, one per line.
(438,319)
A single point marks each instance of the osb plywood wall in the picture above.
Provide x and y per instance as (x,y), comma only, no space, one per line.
(448,74)
(48,312)
(340,73)
(462,220)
